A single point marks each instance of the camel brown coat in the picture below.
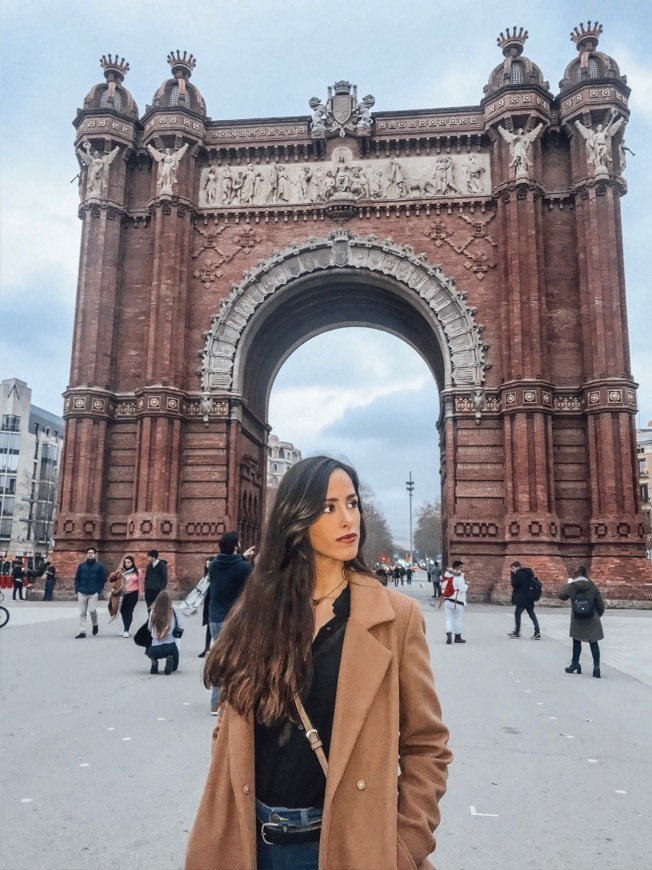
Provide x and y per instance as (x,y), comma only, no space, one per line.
(386,715)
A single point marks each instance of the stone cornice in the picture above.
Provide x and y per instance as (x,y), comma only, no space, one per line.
(151,401)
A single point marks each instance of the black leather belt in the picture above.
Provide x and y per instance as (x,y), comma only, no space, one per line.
(282,833)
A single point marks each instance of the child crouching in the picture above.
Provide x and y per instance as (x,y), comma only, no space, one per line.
(162,623)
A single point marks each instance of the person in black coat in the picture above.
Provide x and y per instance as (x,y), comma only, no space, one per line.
(588,627)
(156,577)
(228,572)
(18,575)
(522,599)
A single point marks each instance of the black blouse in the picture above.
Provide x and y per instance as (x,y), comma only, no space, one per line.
(288,773)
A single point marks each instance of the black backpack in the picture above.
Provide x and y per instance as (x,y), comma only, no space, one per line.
(582,606)
(535,588)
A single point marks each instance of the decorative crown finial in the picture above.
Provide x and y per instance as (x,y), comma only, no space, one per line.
(512,43)
(342,87)
(182,65)
(582,35)
(115,69)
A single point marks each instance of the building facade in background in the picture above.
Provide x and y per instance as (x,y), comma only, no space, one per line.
(31,442)
(644,452)
(281,456)
(488,237)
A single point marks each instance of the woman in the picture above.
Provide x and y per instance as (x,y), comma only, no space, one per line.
(313,625)
(587,607)
(133,586)
(162,624)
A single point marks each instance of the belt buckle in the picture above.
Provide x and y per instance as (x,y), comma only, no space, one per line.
(274,820)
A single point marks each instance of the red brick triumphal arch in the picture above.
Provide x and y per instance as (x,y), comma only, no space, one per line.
(487,237)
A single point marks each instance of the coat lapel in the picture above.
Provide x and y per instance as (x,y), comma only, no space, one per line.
(364,663)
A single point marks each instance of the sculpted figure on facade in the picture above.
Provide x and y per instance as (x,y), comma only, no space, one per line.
(598,142)
(520,143)
(444,177)
(97,172)
(168,164)
(227,186)
(319,115)
(364,107)
(396,181)
(472,172)
(210,186)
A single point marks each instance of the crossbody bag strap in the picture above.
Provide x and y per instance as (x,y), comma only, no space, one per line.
(312,735)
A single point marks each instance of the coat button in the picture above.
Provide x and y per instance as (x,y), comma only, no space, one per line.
(246,789)
(361,785)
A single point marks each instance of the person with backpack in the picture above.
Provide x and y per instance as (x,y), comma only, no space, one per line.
(587,607)
(526,589)
(453,594)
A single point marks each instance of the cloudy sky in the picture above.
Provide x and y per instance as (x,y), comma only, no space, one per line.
(256,59)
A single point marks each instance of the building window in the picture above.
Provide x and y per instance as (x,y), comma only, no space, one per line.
(516,75)
(5,528)
(594,68)
(9,452)
(10,423)
(645,493)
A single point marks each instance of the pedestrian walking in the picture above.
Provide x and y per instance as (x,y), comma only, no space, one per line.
(587,608)
(133,587)
(454,590)
(343,661)
(396,574)
(228,572)
(164,626)
(408,575)
(18,575)
(156,577)
(435,574)
(524,592)
(50,578)
(89,582)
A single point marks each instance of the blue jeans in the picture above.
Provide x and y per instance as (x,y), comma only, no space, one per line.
(302,856)
(215,628)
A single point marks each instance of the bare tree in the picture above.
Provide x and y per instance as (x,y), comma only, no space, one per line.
(427,537)
(379,538)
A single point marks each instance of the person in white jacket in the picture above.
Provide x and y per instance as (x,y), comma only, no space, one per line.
(455,584)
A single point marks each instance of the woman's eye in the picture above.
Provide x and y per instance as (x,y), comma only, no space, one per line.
(353,503)
(328,509)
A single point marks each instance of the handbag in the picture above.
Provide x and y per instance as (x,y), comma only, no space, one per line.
(143,636)
(177,631)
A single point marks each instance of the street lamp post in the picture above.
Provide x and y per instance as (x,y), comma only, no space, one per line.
(409,485)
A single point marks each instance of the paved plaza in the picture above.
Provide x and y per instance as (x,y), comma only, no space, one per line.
(103,764)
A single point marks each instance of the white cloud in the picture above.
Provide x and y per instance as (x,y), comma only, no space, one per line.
(40,230)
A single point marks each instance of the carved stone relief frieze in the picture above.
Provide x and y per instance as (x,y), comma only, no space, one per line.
(430,177)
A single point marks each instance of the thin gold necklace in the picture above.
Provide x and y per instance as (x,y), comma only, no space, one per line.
(316,601)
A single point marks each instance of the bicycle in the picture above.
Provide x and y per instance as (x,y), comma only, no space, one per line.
(4,613)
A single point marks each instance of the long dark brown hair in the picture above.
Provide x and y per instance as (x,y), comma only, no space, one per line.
(262,656)
(161,615)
